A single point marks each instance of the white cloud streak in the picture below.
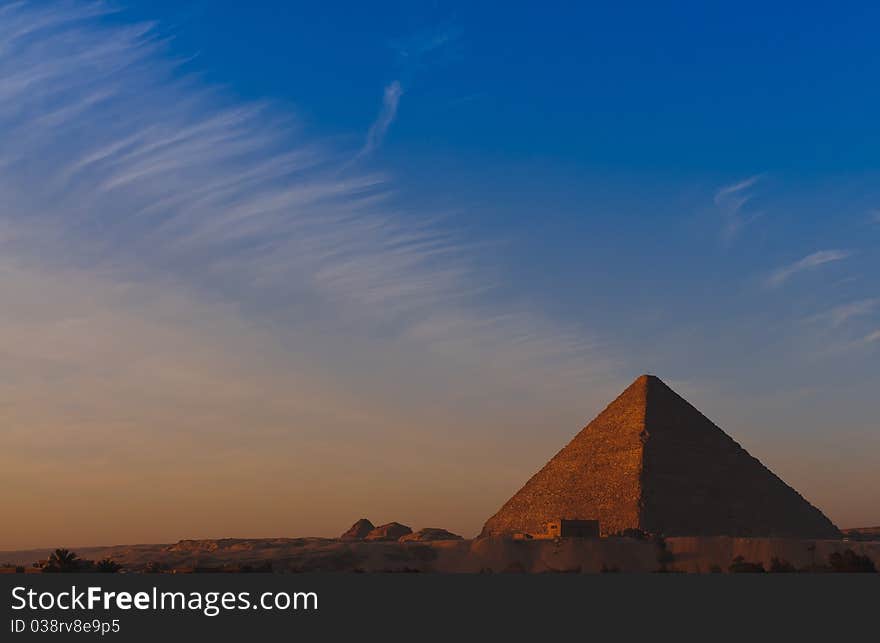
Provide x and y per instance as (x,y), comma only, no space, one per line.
(379,128)
(731,200)
(839,315)
(735,188)
(810,262)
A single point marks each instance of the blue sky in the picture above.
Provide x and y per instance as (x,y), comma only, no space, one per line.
(248,240)
(587,146)
(694,89)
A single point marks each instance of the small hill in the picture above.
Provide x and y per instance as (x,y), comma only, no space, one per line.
(359,530)
(389,531)
(429,534)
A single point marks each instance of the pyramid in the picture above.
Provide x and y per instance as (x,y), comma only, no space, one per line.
(653,462)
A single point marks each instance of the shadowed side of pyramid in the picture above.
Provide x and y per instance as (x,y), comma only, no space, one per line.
(651,461)
(696,480)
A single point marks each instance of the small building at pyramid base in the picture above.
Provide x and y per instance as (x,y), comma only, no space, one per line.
(564,528)
(652,462)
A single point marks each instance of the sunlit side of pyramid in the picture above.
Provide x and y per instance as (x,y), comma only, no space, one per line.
(651,461)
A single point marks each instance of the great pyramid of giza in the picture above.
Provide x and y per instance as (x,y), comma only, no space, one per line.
(653,462)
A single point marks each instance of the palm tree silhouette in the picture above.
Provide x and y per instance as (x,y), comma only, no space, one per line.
(107,566)
(62,560)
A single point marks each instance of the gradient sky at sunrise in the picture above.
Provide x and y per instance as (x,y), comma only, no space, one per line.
(270,267)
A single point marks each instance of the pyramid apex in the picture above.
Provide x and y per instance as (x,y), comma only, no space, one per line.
(646,379)
(649,380)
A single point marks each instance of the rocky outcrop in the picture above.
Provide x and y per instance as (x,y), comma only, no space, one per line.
(428,534)
(359,530)
(390,531)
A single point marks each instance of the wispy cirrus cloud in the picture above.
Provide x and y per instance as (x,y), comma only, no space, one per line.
(736,189)
(387,114)
(839,315)
(732,200)
(810,262)
(872,337)
(118,158)
(413,54)
(417,48)
(181,269)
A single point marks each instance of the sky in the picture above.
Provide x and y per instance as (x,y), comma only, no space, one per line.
(268,268)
